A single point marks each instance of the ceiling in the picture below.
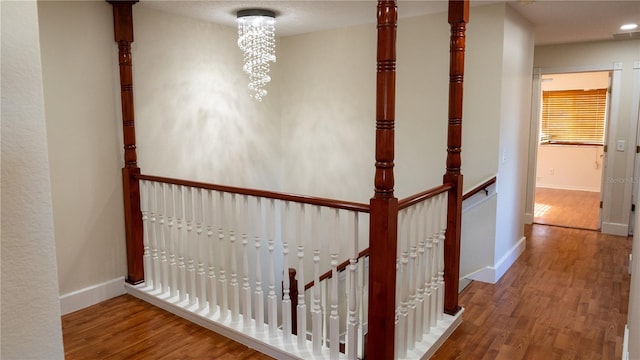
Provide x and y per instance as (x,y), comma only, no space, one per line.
(554,21)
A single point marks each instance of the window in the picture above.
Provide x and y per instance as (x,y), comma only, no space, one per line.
(573,116)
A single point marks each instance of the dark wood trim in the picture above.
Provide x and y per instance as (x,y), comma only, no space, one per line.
(293,295)
(311,200)
(383,224)
(458,19)
(123,35)
(479,188)
(341,267)
(425,195)
(133,225)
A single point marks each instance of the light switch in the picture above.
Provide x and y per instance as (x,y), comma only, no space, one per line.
(620,145)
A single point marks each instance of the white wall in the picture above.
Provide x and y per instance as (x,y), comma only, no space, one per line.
(81,92)
(517,62)
(194,117)
(569,167)
(595,54)
(30,308)
(337,161)
(328,118)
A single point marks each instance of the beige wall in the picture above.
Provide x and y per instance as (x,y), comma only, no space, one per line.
(30,308)
(515,105)
(81,102)
(569,167)
(195,118)
(595,54)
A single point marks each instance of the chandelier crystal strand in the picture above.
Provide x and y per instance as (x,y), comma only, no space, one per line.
(256,39)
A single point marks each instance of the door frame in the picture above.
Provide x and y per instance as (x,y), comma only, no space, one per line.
(635,118)
(610,133)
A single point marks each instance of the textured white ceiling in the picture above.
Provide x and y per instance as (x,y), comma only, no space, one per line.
(555,21)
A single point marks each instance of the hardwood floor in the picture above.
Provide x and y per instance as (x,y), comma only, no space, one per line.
(128,328)
(566,297)
(570,208)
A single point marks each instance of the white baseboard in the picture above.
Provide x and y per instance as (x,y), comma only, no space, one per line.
(615,229)
(463,283)
(491,274)
(625,343)
(565,187)
(92,295)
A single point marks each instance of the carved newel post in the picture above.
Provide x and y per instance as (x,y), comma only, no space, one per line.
(458,19)
(383,241)
(123,32)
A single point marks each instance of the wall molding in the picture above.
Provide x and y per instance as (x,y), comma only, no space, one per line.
(615,229)
(491,274)
(91,295)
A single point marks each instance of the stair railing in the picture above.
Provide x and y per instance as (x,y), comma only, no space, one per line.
(224,251)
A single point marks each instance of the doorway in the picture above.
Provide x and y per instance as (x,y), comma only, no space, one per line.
(570,150)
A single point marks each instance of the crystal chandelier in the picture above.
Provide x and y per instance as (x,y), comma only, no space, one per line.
(256,39)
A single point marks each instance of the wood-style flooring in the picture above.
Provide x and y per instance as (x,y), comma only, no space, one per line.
(570,208)
(566,297)
(128,328)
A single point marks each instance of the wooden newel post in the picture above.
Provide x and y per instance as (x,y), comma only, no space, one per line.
(293,294)
(123,32)
(458,19)
(383,238)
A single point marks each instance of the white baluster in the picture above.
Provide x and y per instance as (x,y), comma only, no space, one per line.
(146,255)
(352,321)
(420,270)
(201,276)
(222,279)
(363,282)
(211,246)
(413,244)
(170,238)
(435,240)
(301,309)
(397,343)
(334,319)
(246,287)
(153,238)
(441,238)
(316,319)
(182,270)
(191,270)
(286,299)
(402,284)
(259,295)
(235,290)
(272,300)
(161,232)
(427,265)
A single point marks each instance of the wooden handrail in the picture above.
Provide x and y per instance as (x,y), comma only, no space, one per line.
(311,200)
(402,204)
(425,195)
(479,188)
(340,268)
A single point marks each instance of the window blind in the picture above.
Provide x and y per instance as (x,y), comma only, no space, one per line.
(573,116)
